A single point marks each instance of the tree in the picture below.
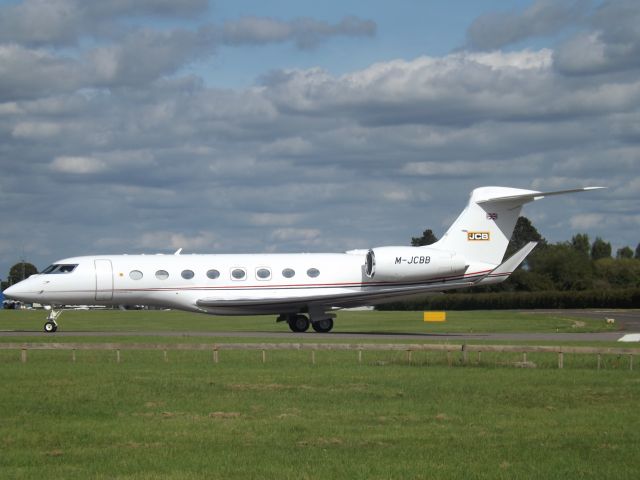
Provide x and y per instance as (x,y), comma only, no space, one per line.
(600,249)
(638,252)
(523,233)
(20,271)
(620,273)
(427,238)
(580,243)
(567,268)
(624,252)
(527,281)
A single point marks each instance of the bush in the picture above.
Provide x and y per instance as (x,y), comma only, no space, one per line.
(620,298)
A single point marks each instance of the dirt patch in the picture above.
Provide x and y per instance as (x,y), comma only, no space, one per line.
(265,386)
(225,415)
(320,442)
(136,445)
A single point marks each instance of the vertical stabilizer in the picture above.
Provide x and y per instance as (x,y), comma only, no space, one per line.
(482,231)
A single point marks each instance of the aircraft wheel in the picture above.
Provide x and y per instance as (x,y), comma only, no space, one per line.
(50,327)
(323,326)
(299,323)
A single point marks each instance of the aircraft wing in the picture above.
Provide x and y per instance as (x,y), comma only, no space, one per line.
(349,299)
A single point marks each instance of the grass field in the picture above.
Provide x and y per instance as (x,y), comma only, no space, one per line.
(288,418)
(190,418)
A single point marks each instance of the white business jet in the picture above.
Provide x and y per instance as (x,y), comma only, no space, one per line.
(302,288)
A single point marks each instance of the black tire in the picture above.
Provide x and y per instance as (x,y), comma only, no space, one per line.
(50,327)
(299,324)
(323,326)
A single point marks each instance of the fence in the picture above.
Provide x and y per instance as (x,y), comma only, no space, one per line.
(216,348)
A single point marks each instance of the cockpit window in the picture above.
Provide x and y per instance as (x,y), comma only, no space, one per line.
(60,268)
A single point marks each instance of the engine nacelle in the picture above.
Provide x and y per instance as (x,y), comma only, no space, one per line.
(390,264)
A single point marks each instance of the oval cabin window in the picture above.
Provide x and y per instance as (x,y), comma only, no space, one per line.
(213,274)
(135,274)
(313,272)
(162,274)
(187,274)
(238,274)
(288,272)
(263,273)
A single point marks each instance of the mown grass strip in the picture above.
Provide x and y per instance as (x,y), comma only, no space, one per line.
(290,418)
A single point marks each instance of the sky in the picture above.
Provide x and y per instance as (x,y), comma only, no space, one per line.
(297,126)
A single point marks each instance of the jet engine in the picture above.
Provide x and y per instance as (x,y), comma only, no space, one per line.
(390,264)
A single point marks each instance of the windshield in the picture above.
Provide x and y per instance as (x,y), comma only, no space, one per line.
(60,268)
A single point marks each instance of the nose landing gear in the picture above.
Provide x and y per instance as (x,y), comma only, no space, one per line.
(51,325)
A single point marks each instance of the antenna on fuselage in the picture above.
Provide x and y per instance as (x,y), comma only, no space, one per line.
(178,251)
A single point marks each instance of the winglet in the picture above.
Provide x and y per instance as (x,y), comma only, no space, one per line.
(506,268)
(178,251)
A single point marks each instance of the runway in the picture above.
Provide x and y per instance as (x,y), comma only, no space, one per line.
(352,336)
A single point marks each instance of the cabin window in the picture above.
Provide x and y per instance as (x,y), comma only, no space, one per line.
(66,268)
(162,274)
(213,274)
(135,275)
(263,273)
(288,272)
(313,272)
(58,268)
(187,274)
(238,273)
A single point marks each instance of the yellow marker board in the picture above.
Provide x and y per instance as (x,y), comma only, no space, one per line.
(435,316)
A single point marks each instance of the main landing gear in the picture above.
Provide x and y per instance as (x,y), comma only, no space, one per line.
(299,323)
(51,325)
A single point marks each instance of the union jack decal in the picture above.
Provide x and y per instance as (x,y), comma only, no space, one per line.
(492,216)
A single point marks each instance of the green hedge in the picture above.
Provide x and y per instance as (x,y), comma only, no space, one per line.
(620,298)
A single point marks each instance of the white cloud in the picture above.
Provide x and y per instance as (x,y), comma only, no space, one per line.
(542,17)
(163,240)
(36,130)
(305,32)
(308,159)
(586,221)
(303,236)
(288,146)
(273,219)
(78,165)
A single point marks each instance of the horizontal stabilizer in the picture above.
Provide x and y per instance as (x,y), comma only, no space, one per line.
(502,271)
(532,196)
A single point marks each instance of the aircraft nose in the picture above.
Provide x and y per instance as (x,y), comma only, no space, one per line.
(9,292)
(15,292)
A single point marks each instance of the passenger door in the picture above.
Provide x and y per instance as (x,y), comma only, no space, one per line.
(104,280)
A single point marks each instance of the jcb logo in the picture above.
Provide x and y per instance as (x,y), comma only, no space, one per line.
(474,236)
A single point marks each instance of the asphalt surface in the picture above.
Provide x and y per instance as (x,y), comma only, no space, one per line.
(421,337)
(628,321)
